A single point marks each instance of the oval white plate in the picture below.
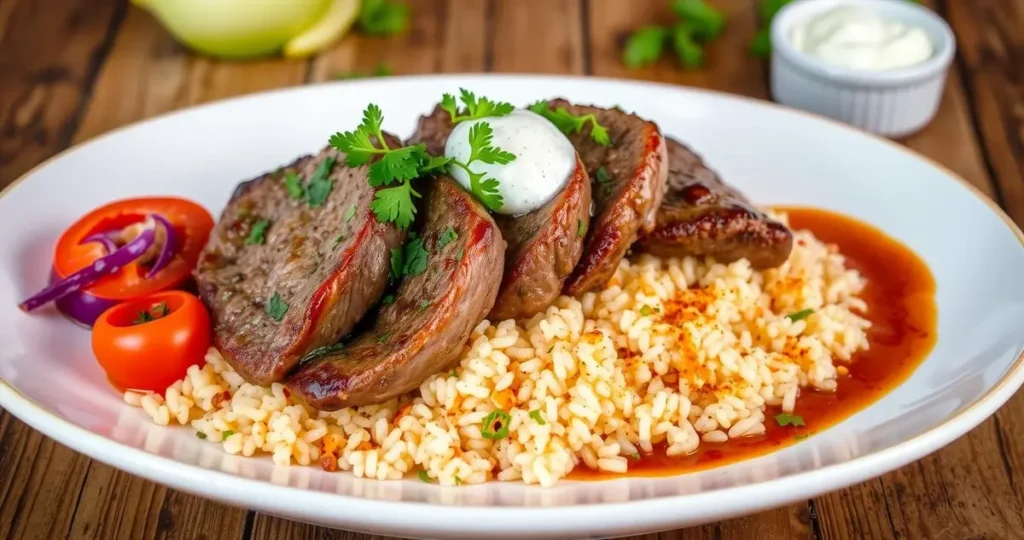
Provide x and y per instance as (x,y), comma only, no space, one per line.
(776,156)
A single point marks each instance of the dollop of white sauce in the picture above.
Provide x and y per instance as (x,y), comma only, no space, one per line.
(544,159)
(858,38)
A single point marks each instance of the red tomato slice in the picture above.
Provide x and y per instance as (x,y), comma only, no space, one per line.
(192,225)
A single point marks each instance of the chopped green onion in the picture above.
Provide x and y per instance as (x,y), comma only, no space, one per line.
(496,425)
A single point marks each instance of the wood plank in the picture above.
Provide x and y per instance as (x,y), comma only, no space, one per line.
(727,66)
(444,36)
(538,36)
(48,56)
(990,36)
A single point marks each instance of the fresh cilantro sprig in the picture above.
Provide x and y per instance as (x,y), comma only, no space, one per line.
(473,108)
(482,150)
(398,166)
(383,17)
(698,24)
(567,122)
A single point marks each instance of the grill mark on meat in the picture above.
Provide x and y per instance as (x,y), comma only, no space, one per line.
(626,206)
(544,246)
(703,216)
(424,330)
(327,285)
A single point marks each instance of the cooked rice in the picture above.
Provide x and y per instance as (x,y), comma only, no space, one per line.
(672,353)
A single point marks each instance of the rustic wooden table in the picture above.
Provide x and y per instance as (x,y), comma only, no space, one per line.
(72,69)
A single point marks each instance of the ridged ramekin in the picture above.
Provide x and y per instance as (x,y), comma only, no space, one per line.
(893,103)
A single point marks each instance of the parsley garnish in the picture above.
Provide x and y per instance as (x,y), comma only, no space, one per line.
(149,315)
(383,17)
(454,373)
(800,315)
(200,434)
(698,24)
(604,180)
(460,254)
(293,183)
(424,476)
(789,420)
(448,236)
(580,228)
(458,481)
(496,425)
(423,305)
(645,310)
(276,307)
(337,240)
(383,338)
(397,263)
(398,165)
(409,260)
(256,233)
(321,351)
(567,122)
(537,417)
(644,46)
(350,213)
(224,436)
(473,108)
(320,183)
(485,189)
(388,300)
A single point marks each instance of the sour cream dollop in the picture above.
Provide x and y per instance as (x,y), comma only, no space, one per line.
(858,38)
(544,159)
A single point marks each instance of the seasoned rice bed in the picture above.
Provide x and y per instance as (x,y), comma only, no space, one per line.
(672,353)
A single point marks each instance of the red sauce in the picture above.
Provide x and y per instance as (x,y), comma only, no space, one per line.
(900,294)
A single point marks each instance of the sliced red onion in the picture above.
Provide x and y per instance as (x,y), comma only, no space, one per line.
(82,307)
(101,267)
(168,249)
(103,238)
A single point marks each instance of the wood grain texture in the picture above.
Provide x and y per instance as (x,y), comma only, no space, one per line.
(66,75)
(49,55)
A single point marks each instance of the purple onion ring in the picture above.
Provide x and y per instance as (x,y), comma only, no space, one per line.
(169,248)
(102,238)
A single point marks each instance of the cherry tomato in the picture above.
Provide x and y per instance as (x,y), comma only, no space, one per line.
(150,342)
(192,225)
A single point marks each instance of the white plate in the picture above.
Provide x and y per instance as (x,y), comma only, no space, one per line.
(773,154)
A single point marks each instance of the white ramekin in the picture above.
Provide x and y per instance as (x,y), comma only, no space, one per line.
(892,103)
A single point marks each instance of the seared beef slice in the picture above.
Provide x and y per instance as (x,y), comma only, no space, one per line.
(424,330)
(702,216)
(544,246)
(327,262)
(627,184)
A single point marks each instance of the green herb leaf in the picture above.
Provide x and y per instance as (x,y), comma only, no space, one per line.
(789,420)
(293,183)
(480,137)
(414,258)
(460,254)
(383,17)
(395,204)
(453,373)
(322,351)
(474,107)
(448,236)
(604,180)
(568,123)
(337,240)
(320,183)
(388,300)
(581,229)
(383,338)
(424,476)
(397,264)
(458,481)
(707,22)
(397,166)
(257,232)
(800,315)
(537,417)
(350,213)
(645,310)
(770,8)
(644,46)
(496,425)
(761,46)
(200,434)
(423,306)
(690,53)
(224,436)
(276,307)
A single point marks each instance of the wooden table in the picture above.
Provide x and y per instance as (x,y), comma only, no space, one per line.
(72,69)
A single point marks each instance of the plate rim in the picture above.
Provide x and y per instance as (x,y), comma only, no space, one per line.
(655,512)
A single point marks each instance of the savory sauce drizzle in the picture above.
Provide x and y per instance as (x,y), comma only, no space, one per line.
(900,295)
